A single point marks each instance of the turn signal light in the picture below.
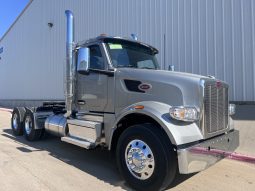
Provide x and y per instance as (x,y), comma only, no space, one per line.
(139,107)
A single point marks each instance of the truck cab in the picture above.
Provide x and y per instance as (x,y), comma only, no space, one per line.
(108,58)
(156,122)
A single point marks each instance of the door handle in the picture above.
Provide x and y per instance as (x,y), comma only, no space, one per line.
(81,102)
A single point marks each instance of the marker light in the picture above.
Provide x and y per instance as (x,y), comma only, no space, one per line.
(232,109)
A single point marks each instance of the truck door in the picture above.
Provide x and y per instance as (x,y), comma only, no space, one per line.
(92,88)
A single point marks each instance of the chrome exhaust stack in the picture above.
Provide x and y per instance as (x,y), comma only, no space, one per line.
(69,78)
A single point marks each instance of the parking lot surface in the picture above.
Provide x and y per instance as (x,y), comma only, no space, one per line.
(54,165)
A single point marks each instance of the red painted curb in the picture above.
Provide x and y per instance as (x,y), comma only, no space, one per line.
(241,157)
(229,155)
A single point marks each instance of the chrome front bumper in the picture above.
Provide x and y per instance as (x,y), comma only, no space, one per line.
(199,157)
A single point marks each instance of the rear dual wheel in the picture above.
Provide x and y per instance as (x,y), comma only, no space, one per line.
(17,121)
(30,132)
(25,124)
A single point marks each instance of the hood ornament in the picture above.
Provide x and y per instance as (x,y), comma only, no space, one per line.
(218,84)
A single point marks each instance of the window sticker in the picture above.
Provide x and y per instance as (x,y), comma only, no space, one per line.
(115,46)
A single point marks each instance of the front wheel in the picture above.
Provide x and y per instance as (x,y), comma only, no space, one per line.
(146,157)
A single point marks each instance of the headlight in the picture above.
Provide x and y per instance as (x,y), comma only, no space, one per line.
(184,113)
(232,109)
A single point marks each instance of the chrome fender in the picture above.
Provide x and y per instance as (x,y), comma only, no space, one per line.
(178,132)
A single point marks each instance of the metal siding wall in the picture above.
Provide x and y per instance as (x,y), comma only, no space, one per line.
(208,37)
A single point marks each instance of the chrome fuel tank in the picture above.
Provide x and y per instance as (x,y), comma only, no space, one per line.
(56,125)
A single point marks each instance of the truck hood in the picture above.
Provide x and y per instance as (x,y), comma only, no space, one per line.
(173,88)
(161,74)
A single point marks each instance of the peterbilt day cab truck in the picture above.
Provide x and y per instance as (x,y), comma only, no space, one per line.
(158,123)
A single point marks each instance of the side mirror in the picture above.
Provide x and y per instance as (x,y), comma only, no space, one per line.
(83,59)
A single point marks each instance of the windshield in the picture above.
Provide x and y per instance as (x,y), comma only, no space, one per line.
(126,54)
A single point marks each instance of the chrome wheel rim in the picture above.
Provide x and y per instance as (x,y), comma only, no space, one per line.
(15,121)
(28,125)
(139,159)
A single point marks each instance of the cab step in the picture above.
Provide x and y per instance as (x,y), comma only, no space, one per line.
(88,130)
(83,132)
(79,142)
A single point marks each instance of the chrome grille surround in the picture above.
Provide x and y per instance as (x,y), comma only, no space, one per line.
(215,114)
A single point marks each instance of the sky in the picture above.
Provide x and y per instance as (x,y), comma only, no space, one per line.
(9,11)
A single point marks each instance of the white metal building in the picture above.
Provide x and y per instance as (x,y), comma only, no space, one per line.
(208,37)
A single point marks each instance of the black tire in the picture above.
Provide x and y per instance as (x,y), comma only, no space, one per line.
(17,121)
(31,134)
(44,134)
(165,158)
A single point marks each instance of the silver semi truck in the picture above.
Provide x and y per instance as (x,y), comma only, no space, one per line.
(158,123)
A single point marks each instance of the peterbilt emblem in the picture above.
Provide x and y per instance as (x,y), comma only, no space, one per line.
(144,87)
(218,84)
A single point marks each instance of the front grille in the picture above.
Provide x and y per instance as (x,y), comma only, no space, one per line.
(216,106)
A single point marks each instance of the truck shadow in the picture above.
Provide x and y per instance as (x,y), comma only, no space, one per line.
(99,162)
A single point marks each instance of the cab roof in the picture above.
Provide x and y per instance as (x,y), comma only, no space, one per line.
(104,38)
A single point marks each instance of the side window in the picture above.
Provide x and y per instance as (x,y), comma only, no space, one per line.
(96,58)
(146,64)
